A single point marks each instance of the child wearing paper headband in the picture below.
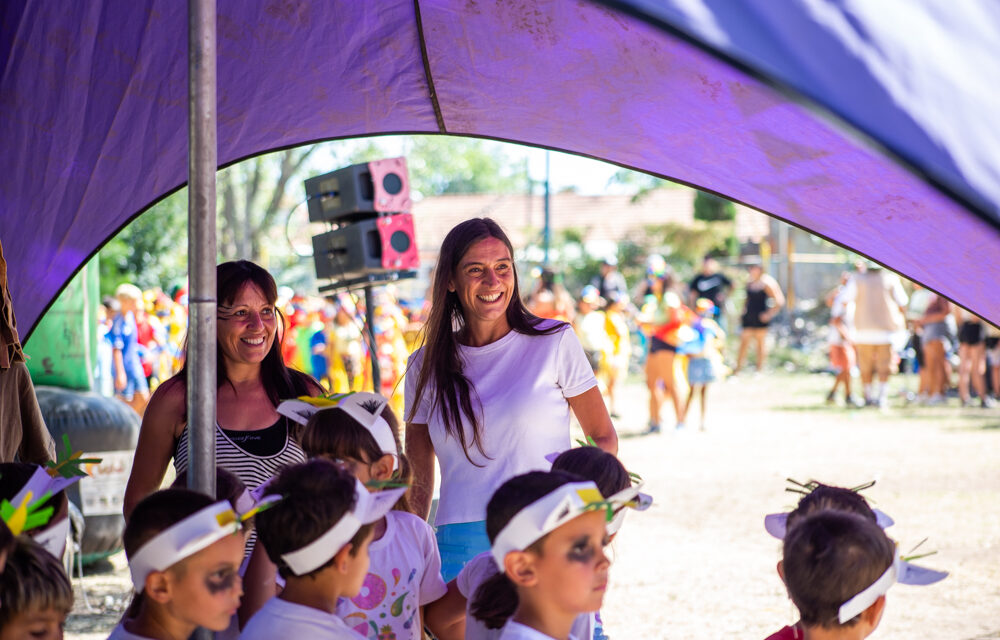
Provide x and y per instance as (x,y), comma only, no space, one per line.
(818,500)
(404,579)
(318,536)
(817,497)
(834,565)
(184,551)
(35,594)
(590,463)
(547,532)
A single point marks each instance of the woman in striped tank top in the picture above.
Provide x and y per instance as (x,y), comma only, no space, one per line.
(251,439)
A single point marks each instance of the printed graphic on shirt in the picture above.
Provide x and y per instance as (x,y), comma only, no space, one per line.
(386,610)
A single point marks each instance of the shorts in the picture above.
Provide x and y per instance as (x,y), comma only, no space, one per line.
(935,331)
(458,543)
(874,358)
(700,371)
(655,344)
(841,357)
(971,333)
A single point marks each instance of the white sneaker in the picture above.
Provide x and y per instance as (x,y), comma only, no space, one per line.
(936,399)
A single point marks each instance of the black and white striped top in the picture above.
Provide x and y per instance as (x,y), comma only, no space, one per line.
(253,470)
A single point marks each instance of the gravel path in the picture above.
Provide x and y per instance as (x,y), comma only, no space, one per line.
(700,565)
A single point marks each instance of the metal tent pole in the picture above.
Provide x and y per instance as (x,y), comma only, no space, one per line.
(202,163)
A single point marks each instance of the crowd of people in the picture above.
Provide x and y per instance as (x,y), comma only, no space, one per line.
(876,329)
(320,529)
(142,340)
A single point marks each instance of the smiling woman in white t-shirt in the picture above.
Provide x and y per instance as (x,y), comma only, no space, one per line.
(490,391)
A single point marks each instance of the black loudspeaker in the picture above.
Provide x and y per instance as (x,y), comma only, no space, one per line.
(358,191)
(366,247)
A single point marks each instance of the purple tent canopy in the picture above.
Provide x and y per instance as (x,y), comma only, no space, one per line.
(804,109)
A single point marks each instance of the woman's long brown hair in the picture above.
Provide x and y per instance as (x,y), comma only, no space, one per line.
(441,374)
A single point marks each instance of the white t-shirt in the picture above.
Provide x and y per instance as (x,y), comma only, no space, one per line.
(281,619)
(119,633)
(405,574)
(517,631)
(479,570)
(843,309)
(522,383)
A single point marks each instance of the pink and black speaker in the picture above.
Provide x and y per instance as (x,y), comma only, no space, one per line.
(359,191)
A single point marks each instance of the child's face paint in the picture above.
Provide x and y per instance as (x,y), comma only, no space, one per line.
(33,624)
(207,589)
(572,568)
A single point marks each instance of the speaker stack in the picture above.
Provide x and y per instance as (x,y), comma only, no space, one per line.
(372,239)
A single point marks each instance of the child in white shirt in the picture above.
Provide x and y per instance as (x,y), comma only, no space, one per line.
(404,580)
(318,537)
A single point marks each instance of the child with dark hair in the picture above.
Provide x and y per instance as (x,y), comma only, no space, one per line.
(358,432)
(230,488)
(35,594)
(184,551)
(318,537)
(548,531)
(589,463)
(817,497)
(820,499)
(837,568)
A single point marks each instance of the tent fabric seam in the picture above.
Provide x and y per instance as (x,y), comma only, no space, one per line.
(438,115)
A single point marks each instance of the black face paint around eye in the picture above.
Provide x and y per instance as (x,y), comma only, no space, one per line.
(217,584)
(581,551)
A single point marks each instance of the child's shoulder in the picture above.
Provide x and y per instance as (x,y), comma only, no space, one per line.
(407,519)
(280,618)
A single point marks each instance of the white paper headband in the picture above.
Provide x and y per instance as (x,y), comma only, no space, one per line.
(899,571)
(555,509)
(368,508)
(182,540)
(364,407)
(777,523)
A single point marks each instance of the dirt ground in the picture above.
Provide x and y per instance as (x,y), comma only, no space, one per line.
(699,564)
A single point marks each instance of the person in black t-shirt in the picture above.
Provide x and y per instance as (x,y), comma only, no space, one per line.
(710,283)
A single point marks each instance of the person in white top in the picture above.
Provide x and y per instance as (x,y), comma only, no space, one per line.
(318,536)
(879,302)
(548,531)
(184,551)
(490,391)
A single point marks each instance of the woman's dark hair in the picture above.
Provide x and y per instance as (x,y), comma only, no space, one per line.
(829,557)
(824,497)
(334,434)
(155,513)
(496,598)
(315,496)
(13,477)
(228,485)
(441,373)
(280,381)
(33,580)
(598,466)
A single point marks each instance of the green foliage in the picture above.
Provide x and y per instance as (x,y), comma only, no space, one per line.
(712,208)
(151,251)
(443,164)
